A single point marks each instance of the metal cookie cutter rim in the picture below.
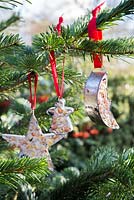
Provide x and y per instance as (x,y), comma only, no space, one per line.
(96,89)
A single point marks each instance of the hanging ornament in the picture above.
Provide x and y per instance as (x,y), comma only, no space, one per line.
(61,123)
(34,144)
(97,104)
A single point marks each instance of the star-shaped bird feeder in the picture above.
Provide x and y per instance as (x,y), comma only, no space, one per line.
(34,144)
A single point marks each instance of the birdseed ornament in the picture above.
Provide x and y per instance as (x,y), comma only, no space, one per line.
(34,144)
(97,104)
(61,123)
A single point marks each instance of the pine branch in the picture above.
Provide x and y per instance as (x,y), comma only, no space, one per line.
(17,171)
(9,4)
(25,62)
(120,46)
(29,60)
(22,62)
(104,165)
(9,43)
(11,81)
(75,30)
(48,41)
(8,22)
(107,190)
(73,35)
(115,47)
(106,18)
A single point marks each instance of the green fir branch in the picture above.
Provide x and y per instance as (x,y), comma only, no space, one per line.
(104,166)
(9,43)
(5,24)
(75,30)
(10,4)
(113,47)
(14,172)
(73,35)
(28,60)
(22,62)
(12,80)
(47,42)
(120,46)
(105,19)
(109,17)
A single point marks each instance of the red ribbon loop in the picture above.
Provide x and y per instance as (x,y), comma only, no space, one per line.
(96,35)
(59,90)
(32,98)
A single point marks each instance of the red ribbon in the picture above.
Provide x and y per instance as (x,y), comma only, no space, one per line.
(58,26)
(96,35)
(59,90)
(32,98)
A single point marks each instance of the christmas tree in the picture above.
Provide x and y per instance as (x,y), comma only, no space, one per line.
(91,163)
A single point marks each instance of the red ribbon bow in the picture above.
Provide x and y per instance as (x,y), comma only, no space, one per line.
(96,35)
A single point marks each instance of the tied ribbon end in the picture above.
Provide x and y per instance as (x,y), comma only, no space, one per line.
(95,34)
(58,26)
(97,9)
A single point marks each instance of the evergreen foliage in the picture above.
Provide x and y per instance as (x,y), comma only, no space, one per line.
(9,4)
(105,168)
(109,172)
(5,24)
(16,172)
(70,43)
